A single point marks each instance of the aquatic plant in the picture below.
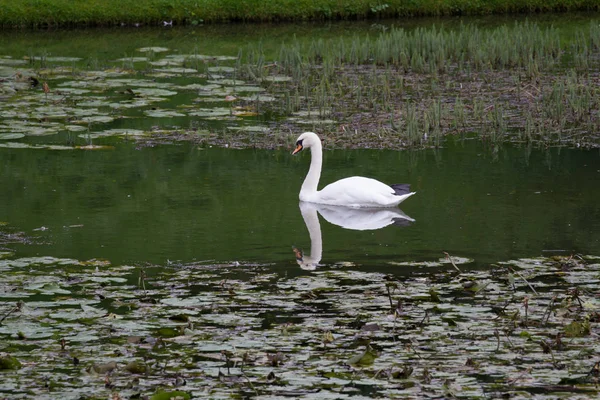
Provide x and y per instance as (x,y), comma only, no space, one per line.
(373,75)
(228,330)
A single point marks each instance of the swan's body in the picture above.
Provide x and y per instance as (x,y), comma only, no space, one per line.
(355,191)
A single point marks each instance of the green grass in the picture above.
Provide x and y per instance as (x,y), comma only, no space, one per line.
(62,13)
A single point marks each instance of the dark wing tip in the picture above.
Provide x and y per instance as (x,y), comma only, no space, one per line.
(401,189)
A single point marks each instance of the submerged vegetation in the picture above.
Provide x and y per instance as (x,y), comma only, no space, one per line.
(87,329)
(61,13)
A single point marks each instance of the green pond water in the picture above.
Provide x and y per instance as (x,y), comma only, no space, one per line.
(185,203)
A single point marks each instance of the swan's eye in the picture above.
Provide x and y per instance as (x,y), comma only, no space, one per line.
(299,147)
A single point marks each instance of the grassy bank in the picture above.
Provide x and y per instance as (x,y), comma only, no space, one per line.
(63,13)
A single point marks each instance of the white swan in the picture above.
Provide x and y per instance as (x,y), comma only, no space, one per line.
(355,191)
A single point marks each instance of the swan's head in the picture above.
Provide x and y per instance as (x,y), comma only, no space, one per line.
(306,263)
(306,140)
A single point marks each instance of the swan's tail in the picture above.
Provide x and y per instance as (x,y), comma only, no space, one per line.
(401,189)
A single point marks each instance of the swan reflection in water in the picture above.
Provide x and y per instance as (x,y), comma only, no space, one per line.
(359,219)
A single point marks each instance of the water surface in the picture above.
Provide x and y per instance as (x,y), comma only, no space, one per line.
(185,203)
(180,203)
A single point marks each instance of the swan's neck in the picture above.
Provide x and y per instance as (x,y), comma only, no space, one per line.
(311,182)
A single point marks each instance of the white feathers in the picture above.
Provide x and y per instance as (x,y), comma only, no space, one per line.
(355,191)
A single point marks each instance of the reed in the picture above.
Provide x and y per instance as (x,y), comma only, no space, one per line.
(412,132)
(521,82)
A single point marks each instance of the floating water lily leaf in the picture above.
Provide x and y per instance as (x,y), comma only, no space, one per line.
(75,128)
(166,72)
(97,119)
(94,147)
(227,82)
(113,132)
(277,78)
(51,112)
(28,329)
(165,63)
(245,89)
(135,103)
(72,91)
(132,59)
(8,136)
(211,112)
(15,145)
(222,69)
(185,302)
(163,113)
(63,59)
(242,113)
(198,86)
(12,61)
(6,254)
(153,49)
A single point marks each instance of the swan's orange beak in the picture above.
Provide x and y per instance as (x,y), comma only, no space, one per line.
(298,253)
(298,148)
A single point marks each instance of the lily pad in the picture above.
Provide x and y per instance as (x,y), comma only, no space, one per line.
(154,49)
(132,59)
(156,113)
(277,78)
(222,69)
(12,61)
(113,132)
(211,112)
(63,59)
(97,119)
(9,136)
